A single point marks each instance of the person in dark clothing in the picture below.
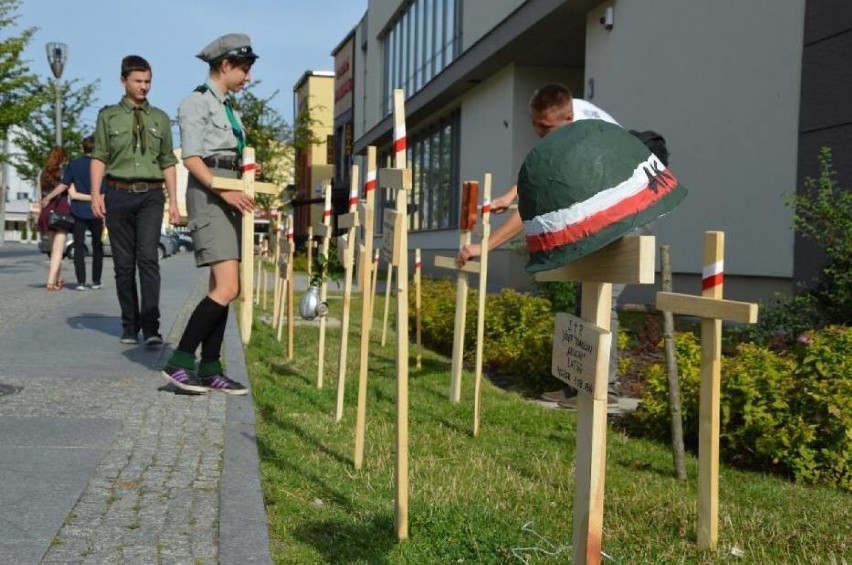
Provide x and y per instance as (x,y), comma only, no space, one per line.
(77,180)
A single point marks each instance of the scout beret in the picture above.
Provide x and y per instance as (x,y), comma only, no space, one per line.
(585,185)
(229,45)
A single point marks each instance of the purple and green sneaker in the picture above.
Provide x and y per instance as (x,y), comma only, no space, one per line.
(222,383)
(184,379)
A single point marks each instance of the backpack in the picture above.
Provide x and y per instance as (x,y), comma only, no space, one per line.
(655,142)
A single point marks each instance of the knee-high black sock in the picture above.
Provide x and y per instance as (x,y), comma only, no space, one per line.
(202,322)
(211,347)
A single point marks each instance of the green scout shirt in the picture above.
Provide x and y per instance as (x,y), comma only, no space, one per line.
(204,127)
(117,147)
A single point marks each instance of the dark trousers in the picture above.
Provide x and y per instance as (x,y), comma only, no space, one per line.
(134,221)
(96,228)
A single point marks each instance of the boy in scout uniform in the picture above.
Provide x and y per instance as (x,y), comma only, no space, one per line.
(212,140)
(134,155)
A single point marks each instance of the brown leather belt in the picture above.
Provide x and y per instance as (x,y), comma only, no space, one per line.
(227,163)
(138,186)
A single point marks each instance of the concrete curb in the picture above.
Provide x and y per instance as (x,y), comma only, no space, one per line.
(243,530)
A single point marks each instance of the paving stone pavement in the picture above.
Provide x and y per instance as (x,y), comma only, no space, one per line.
(100,460)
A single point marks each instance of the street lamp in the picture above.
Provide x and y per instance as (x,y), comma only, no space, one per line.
(57,54)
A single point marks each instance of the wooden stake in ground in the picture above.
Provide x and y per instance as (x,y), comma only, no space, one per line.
(675,411)
(367,306)
(257,270)
(285,270)
(348,223)
(480,306)
(310,251)
(290,251)
(277,279)
(264,276)
(418,268)
(712,309)
(399,178)
(374,274)
(581,349)
(324,231)
(248,185)
(388,286)
(470,196)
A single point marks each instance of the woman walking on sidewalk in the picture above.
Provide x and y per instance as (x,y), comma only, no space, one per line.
(53,199)
(212,140)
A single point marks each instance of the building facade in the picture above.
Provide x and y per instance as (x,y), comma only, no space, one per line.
(722,81)
(313,106)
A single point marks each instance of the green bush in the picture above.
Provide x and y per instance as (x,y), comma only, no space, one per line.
(822,214)
(817,441)
(791,413)
(518,335)
(561,295)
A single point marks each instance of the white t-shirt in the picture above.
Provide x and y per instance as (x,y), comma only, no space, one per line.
(584,110)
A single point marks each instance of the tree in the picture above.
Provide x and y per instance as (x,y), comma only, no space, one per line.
(270,135)
(36,137)
(20,90)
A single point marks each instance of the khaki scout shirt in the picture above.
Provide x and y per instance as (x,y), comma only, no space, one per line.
(116,145)
(204,127)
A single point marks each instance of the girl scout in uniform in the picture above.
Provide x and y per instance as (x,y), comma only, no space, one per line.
(212,140)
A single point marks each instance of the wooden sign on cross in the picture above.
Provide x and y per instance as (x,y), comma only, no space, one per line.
(368,294)
(712,309)
(348,223)
(629,260)
(470,195)
(248,185)
(324,231)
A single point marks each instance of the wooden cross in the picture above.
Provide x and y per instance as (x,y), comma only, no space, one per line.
(712,309)
(324,231)
(367,307)
(346,250)
(399,179)
(629,260)
(248,185)
(470,195)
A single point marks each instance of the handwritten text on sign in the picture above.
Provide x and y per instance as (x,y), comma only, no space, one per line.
(581,354)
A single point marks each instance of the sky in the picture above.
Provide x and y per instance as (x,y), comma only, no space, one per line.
(291,36)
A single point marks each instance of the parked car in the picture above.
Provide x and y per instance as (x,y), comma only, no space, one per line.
(165,248)
(183,241)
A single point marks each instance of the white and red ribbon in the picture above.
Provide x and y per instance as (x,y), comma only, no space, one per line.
(712,275)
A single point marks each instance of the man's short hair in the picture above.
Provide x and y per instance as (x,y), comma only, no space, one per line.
(133,63)
(88,144)
(552,95)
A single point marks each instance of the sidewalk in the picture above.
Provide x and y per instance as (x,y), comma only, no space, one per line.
(100,461)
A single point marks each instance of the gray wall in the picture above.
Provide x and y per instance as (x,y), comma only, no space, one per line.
(481,16)
(720,80)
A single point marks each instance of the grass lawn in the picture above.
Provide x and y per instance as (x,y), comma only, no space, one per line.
(504,497)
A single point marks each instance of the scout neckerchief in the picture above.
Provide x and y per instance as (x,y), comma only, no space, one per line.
(235,125)
(139,129)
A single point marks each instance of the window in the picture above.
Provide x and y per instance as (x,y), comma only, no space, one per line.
(433,155)
(423,40)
